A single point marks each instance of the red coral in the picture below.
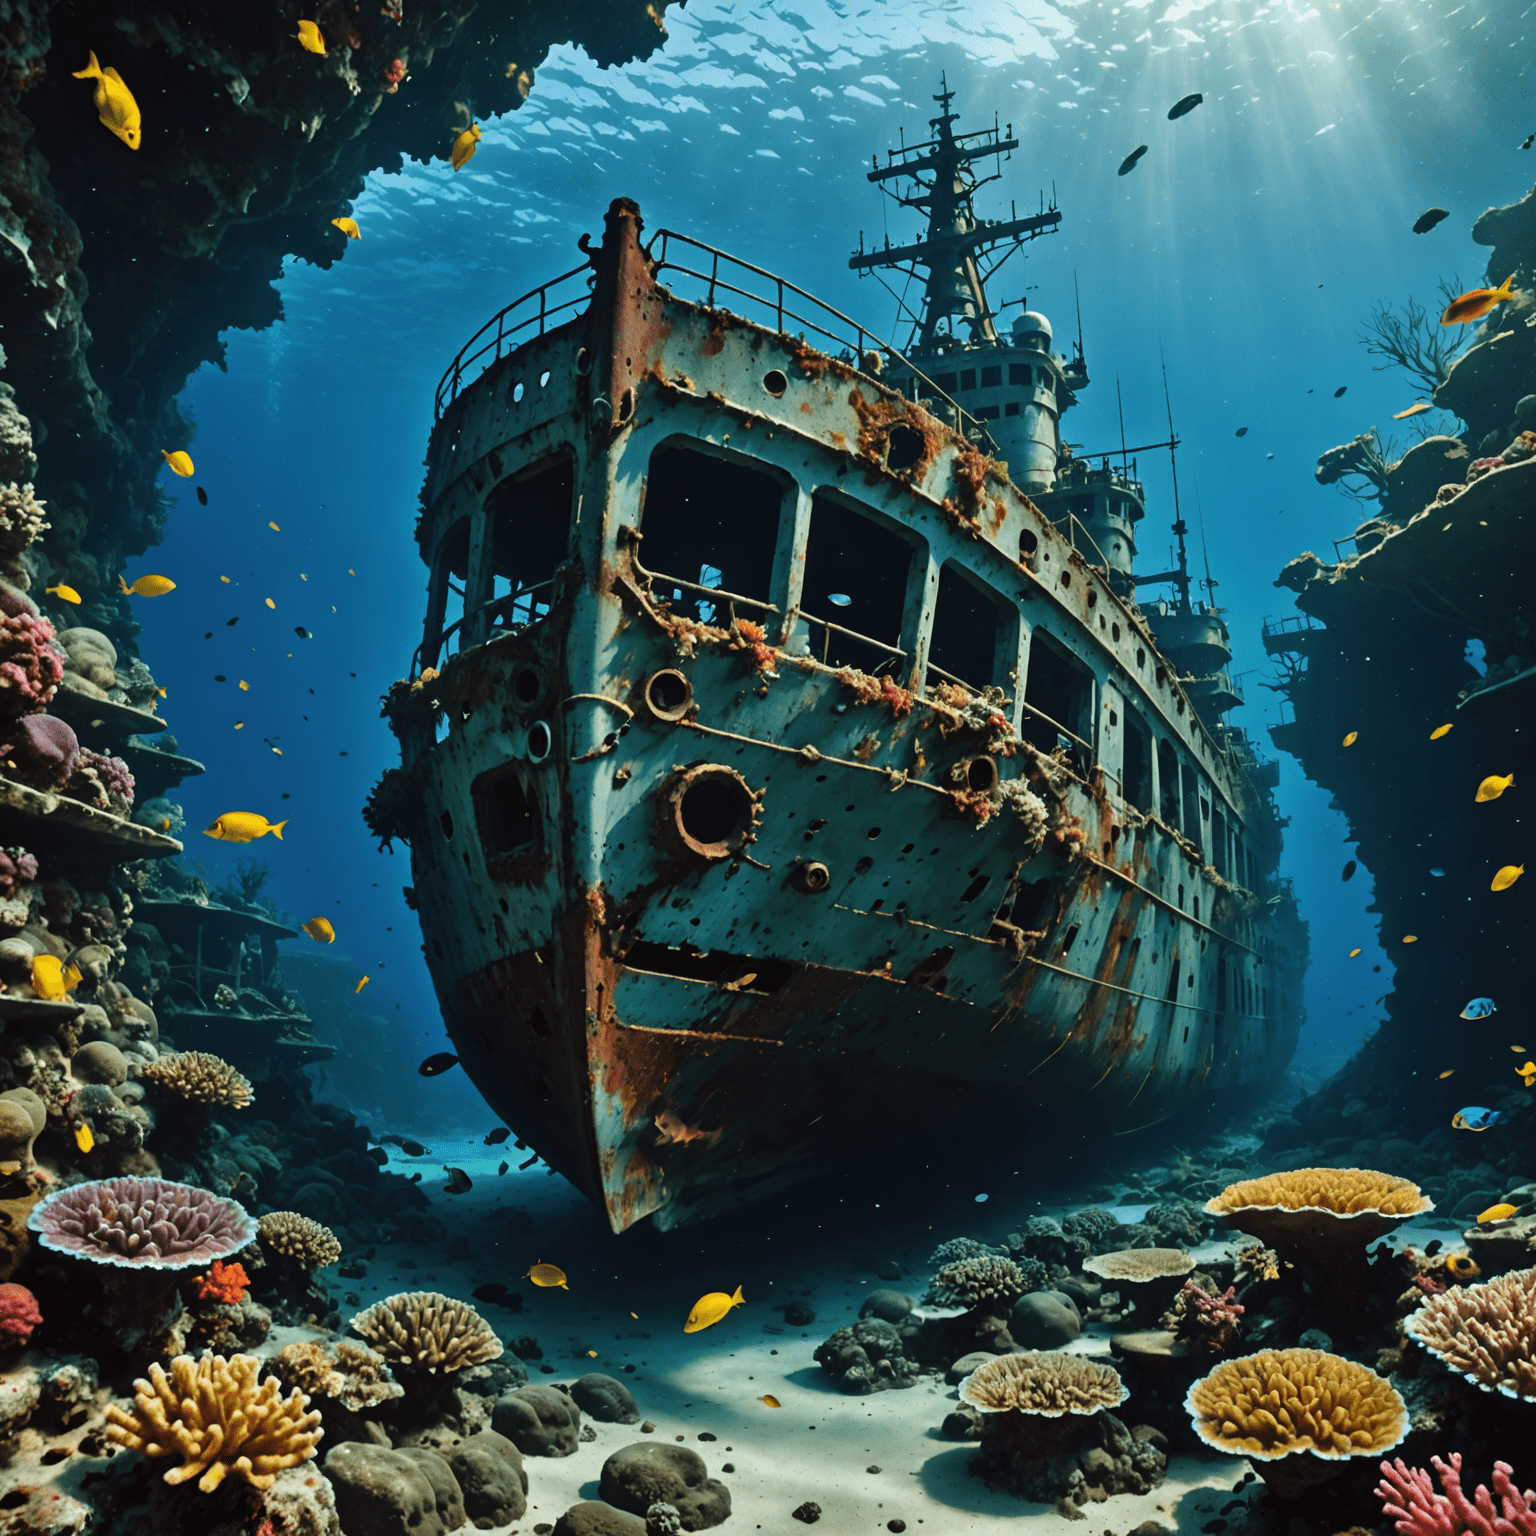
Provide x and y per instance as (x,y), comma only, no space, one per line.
(896,698)
(225,1282)
(1408,1496)
(19,1314)
(1212,1319)
(1429,1285)
(30,665)
(394,74)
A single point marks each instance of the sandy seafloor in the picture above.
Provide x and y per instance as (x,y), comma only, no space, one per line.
(864,1460)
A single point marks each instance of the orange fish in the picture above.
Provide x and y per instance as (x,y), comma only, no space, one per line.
(1476,303)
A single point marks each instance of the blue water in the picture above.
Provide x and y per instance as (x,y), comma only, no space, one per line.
(1245,250)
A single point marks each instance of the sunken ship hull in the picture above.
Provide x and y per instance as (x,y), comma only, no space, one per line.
(715,886)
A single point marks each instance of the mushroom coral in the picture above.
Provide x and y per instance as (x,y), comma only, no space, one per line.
(1043,1383)
(141,1224)
(298,1238)
(201,1078)
(1486,1333)
(1311,1207)
(1408,1496)
(212,1412)
(427,1331)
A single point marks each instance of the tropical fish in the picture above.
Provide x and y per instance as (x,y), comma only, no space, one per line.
(1506,877)
(1427,220)
(1500,1212)
(1350,740)
(1353,953)
(320,930)
(708,1310)
(114,103)
(1479,1008)
(311,37)
(243,827)
(202,496)
(180,462)
(359,987)
(770,1400)
(1349,870)
(413,1149)
(1474,1118)
(1416,409)
(1529,141)
(245,687)
(1492,787)
(839,599)
(1184,105)
(546,1275)
(349,228)
(147,586)
(1129,163)
(1445,1075)
(52,979)
(1527,1073)
(464,147)
(273,526)
(1410,938)
(67,593)
(496,1137)
(435,1066)
(1476,303)
(459,1182)
(84,1139)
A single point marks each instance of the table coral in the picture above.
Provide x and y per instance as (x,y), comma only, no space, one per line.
(1042,1383)
(201,1078)
(141,1224)
(298,1238)
(1408,1497)
(1320,1207)
(427,1331)
(214,1415)
(30,666)
(19,1314)
(1486,1333)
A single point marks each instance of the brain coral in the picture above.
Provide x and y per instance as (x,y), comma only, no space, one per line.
(1311,1206)
(427,1331)
(1283,1401)
(141,1224)
(1046,1383)
(213,1414)
(297,1237)
(976,1282)
(202,1078)
(1486,1333)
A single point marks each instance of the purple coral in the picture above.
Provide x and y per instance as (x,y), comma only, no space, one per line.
(1408,1496)
(1212,1319)
(102,781)
(44,749)
(16,866)
(30,665)
(142,1224)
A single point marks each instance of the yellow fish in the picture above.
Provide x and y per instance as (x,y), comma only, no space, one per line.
(1472,305)
(320,931)
(273,526)
(165,823)
(1506,877)
(1353,953)
(359,987)
(708,1310)
(311,37)
(147,586)
(1349,740)
(464,147)
(83,1138)
(1527,1073)
(67,593)
(114,103)
(770,1400)
(180,462)
(243,827)
(1492,787)
(1441,730)
(245,687)
(270,603)
(546,1275)
(1444,1075)
(1501,1212)
(349,228)
(592,1353)
(1416,409)
(1410,938)
(52,979)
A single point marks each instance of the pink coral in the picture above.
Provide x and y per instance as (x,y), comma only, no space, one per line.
(1197,1314)
(30,665)
(19,1314)
(16,866)
(1408,1496)
(102,781)
(142,1224)
(393,75)
(44,750)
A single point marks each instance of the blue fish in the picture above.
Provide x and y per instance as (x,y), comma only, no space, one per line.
(1479,1008)
(1474,1118)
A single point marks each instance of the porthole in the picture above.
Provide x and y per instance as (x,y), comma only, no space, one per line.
(1028,544)
(775,382)
(583,364)
(1093,597)
(1066,578)
(540,742)
(668,694)
(711,810)
(1114,633)
(1141,657)
(445,821)
(527,686)
(981,775)
(517,392)
(903,448)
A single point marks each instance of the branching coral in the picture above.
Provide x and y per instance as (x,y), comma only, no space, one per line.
(298,1238)
(104,782)
(392,807)
(352,1373)
(1486,1333)
(201,1078)
(1283,1401)
(212,1413)
(30,666)
(1045,1383)
(225,1283)
(1415,340)
(1310,1207)
(1408,1497)
(141,1224)
(427,1331)
(1199,1317)
(977,1282)
(21,519)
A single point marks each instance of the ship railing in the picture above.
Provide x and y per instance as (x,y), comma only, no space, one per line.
(781,306)
(1073,530)
(497,608)
(887,653)
(500,330)
(716,597)
(1086,748)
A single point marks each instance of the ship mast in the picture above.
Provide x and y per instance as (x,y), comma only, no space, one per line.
(952,259)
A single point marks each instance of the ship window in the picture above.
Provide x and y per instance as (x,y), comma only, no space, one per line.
(1172,995)
(1018,373)
(970,621)
(530,531)
(992,376)
(967,378)
(448,587)
(1168,783)
(1191,804)
(506,813)
(1136,763)
(945,381)
(986,413)
(710,521)
(864,565)
(1219,842)
(1011,409)
(1059,688)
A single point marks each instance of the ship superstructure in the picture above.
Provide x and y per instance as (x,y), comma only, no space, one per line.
(780,770)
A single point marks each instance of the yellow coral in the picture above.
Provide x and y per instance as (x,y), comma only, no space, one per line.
(1311,1207)
(298,1238)
(427,1331)
(212,1412)
(1282,1401)
(1043,1383)
(200,1078)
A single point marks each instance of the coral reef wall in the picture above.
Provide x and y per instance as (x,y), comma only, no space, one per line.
(1385,656)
